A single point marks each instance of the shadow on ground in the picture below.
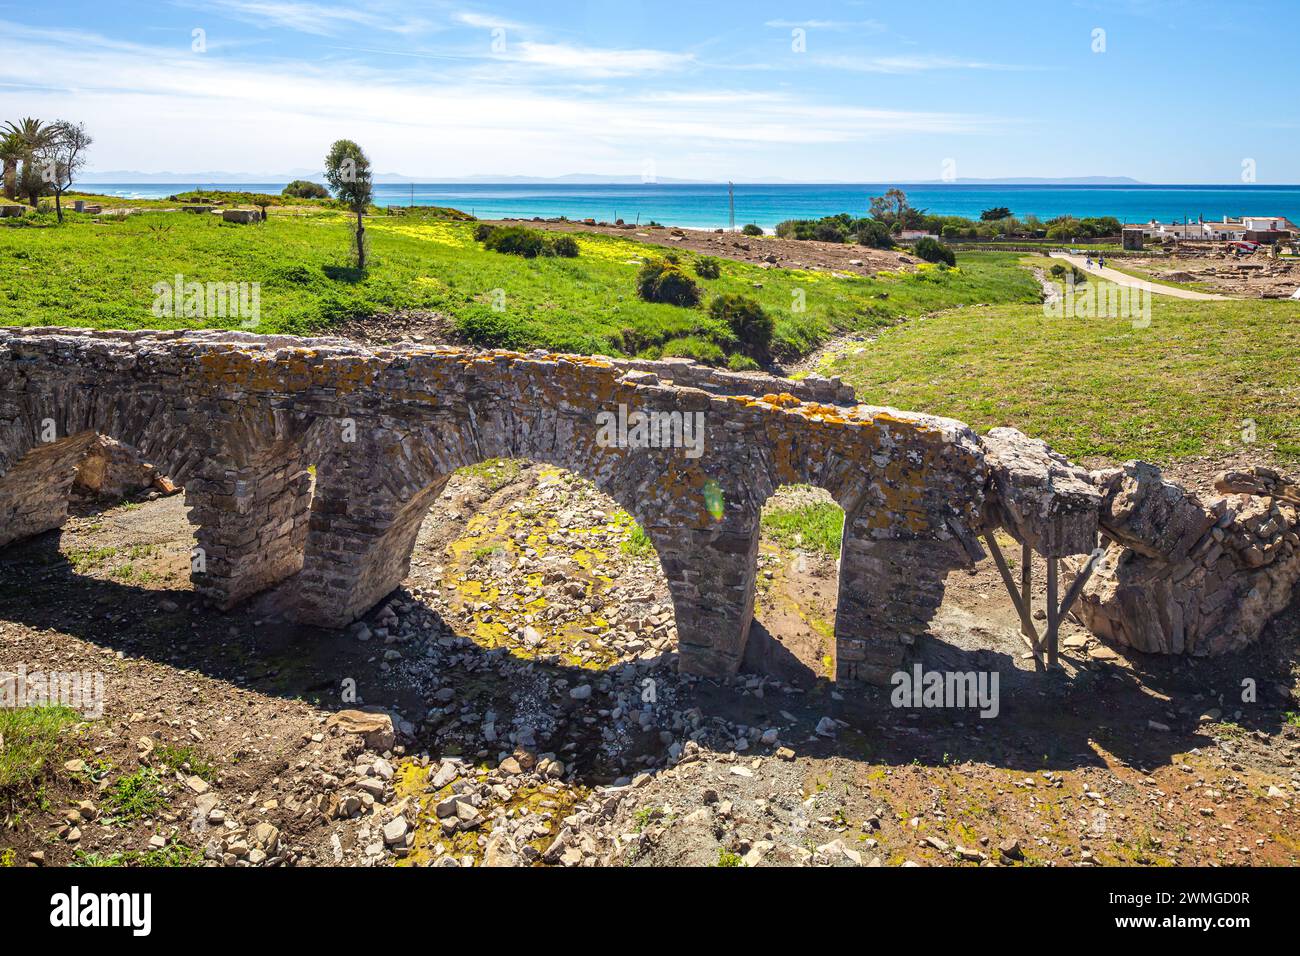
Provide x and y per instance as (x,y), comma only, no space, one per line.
(1065,720)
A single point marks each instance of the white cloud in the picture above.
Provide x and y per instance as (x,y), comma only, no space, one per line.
(154,108)
(598,62)
(485,21)
(317,19)
(870,26)
(906,64)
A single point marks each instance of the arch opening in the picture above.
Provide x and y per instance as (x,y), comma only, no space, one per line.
(792,636)
(532,560)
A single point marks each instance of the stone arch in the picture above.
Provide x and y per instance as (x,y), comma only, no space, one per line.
(903,498)
(373,493)
(243,474)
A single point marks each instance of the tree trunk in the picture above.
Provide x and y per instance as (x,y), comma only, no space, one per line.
(11,178)
(361,241)
(58,204)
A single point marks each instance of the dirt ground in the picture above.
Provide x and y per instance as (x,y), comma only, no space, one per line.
(761,250)
(1209,268)
(528,665)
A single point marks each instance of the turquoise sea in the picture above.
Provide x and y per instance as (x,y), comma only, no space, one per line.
(705,205)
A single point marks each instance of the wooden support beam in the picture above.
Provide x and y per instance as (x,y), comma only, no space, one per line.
(1053,611)
(1026,621)
(1027,581)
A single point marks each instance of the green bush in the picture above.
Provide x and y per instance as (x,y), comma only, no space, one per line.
(707,267)
(482,231)
(694,347)
(752,230)
(302,189)
(931,250)
(566,247)
(742,363)
(829,232)
(663,281)
(751,326)
(872,232)
(516,241)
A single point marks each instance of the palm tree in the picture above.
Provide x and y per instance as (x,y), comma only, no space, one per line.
(32,135)
(11,151)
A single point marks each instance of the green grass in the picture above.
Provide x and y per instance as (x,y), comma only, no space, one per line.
(101,274)
(135,795)
(727,858)
(173,854)
(638,544)
(495,473)
(816,528)
(185,759)
(33,743)
(1186,385)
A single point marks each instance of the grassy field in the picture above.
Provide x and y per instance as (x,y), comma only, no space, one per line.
(1191,383)
(101,274)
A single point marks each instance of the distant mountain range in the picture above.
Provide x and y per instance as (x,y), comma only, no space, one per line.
(209,176)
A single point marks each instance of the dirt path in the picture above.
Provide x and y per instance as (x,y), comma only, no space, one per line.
(1120,278)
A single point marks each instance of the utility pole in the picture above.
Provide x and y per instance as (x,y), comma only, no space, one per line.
(731,200)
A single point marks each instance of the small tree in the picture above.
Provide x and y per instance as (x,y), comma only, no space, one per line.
(302,189)
(32,136)
(996,213)
(933,251)
(748,322)
(11,153)
(891,208)
(61,158)
(347,170)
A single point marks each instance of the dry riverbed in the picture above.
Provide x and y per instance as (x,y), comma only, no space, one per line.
(532,714)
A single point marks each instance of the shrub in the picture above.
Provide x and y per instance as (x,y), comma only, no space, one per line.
(748,322)
(874,233)
(931,250)
(302,189)
(566,247)
(663,281)
(482,231)
(707,267)
(752,230)
(695,348)
(516,241)
(829,232)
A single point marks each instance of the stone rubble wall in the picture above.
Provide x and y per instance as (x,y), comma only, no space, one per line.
(1181,576)
(317,459)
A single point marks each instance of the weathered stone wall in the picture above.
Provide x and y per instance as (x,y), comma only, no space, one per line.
(241,421)
(1185,577)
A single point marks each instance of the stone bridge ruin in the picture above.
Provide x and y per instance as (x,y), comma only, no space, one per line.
(318,459)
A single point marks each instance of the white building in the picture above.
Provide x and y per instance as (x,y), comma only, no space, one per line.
(1225,230)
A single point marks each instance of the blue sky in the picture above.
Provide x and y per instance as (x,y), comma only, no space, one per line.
(1171,91)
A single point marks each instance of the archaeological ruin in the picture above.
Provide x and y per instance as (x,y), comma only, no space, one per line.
(317,459)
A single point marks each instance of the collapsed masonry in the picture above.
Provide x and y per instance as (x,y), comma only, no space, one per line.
(317,460)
